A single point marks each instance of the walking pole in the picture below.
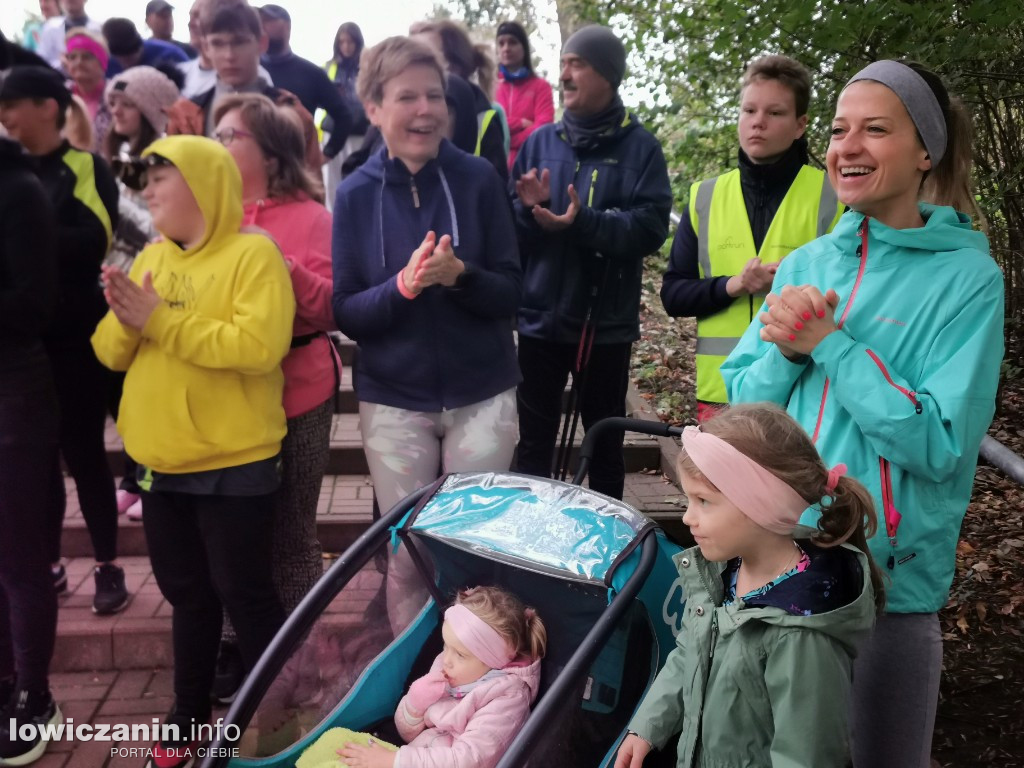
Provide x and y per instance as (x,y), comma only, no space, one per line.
(579,377)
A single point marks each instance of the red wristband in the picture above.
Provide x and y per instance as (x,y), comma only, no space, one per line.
(402,289)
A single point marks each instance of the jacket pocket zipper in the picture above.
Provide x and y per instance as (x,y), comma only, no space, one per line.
(590,194)
(910,394)
(891,514)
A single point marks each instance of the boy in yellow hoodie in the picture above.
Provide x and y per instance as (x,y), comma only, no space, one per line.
(201,325)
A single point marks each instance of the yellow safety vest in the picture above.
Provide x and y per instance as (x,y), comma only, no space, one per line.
(318,119)
(725,244)
(483,122)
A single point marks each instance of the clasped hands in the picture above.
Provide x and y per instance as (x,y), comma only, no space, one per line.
(132,304)
(433,263)
(534,190)
(798,318)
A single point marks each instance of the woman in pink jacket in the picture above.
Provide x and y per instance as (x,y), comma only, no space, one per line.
(283,199)
(525,97)
(467,709)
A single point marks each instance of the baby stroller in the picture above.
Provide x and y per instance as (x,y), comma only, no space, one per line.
(599,574)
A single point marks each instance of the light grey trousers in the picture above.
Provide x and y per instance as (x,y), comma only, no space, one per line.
(896,692)
(405,449)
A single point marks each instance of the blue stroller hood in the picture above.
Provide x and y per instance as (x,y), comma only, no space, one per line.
(541,525)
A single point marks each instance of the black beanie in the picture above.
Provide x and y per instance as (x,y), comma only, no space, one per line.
(34,82)
(601,49)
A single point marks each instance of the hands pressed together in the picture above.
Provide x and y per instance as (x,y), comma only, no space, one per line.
(132,304)
(534,190)
(798,319)
(433,263)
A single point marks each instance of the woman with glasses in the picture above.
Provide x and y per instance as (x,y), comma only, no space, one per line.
(281,197)
(136,99)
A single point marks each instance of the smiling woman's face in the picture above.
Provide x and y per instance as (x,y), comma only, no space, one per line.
(875,159)
(412,115)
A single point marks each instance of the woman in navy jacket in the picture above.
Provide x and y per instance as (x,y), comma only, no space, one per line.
(427,281)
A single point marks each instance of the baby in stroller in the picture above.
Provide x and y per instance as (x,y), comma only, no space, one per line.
(467,709)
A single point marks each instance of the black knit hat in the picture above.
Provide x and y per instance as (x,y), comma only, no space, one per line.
(601,49)
(34,82)
(515,29)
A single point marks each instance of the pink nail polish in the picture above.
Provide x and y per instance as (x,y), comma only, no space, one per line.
(792,337)
(799,325)
(821,313)
(807,315)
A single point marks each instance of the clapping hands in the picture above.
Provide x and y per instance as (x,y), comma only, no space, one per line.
(132,304)
(534,190)
(433,263)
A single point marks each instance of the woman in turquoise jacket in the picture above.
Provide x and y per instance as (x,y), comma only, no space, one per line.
(884,340)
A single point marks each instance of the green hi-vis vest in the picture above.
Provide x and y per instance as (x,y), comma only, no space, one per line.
(321,115)
(725,244)
(483,122)
(83,166)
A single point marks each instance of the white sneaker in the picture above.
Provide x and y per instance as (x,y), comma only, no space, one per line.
(126,499)
(135,511)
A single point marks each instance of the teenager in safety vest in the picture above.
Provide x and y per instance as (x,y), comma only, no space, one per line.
(740,225)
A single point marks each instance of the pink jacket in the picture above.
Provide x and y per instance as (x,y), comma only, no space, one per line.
(472,732)
(302,230)
(529,99)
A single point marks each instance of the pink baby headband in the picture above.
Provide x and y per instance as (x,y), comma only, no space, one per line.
(479,637)
(756,492)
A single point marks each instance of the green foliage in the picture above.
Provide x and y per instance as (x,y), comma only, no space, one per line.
(690,55)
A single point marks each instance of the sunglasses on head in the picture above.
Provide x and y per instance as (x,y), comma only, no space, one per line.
(131,171)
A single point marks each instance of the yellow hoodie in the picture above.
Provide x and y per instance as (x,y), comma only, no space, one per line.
(204,383)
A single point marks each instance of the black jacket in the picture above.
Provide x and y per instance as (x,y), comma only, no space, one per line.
(683,291)
(82,236)
(315,90)
(28,289)
(626,198)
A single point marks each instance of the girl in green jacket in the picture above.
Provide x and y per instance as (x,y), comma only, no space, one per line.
(761,673)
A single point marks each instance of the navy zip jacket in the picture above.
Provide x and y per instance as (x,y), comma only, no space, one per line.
(448,347)
(626,198)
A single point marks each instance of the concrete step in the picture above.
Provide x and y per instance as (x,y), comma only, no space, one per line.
(347,457)
(343,513)
(140,636)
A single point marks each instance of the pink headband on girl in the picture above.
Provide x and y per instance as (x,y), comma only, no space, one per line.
(87,44)
(479,637)
(756,492)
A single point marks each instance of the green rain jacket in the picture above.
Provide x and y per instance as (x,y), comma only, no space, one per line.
(752,685)
(905,391)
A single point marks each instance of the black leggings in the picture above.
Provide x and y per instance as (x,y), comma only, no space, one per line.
(82,387)
(28,450)
(208,552)
(546,367)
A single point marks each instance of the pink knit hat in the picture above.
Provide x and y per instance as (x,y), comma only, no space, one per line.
(148,89)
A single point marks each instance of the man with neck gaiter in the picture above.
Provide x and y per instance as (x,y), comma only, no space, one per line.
(740,225)
(592,199)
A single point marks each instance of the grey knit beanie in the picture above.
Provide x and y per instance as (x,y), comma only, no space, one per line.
(600,48)
(148,89)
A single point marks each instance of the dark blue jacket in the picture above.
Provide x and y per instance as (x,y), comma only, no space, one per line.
(448,347)
(624,188)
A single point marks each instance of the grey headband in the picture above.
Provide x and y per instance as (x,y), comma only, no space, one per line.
(917,96)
